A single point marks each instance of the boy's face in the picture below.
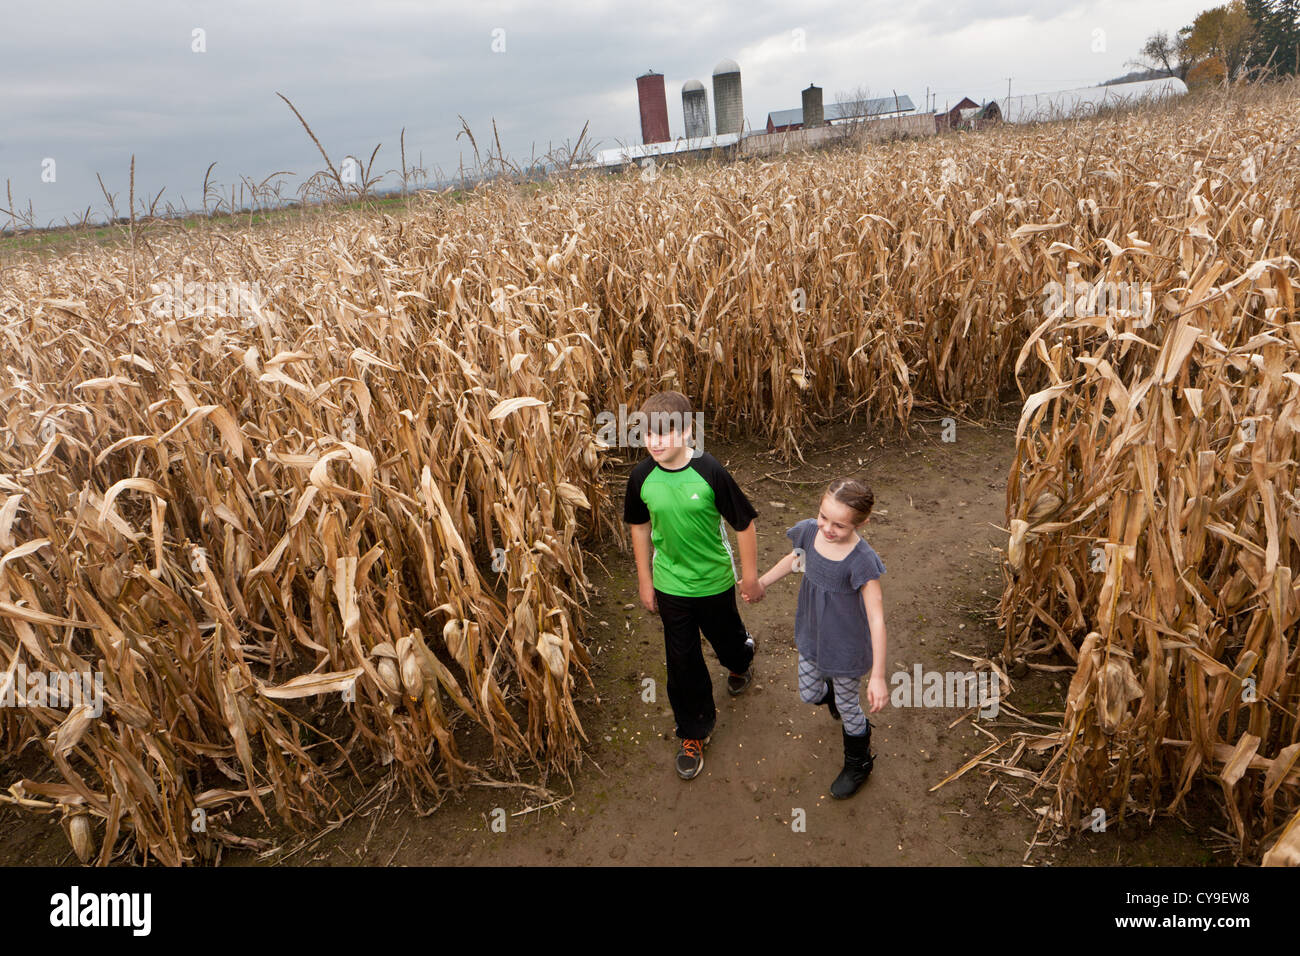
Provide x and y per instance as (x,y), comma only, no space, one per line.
(665,446)
(835,520)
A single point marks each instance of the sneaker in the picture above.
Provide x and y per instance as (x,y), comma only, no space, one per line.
(736,683)
(690,758)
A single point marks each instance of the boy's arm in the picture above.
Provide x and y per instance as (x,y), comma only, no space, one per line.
(637,516)
(873,599)
(644,574)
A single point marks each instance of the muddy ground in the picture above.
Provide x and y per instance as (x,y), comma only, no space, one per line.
(937,527)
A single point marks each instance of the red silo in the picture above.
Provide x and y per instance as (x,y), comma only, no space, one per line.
(654,107)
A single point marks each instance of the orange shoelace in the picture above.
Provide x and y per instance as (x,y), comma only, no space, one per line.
(693,748)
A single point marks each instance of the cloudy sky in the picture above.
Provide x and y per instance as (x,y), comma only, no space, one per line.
(88,83)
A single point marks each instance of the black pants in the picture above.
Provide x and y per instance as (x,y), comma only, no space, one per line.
(690,688)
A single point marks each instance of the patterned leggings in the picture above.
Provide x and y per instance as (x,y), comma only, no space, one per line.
(812,688)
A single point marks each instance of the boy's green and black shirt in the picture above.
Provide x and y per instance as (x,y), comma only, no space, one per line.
(685,508)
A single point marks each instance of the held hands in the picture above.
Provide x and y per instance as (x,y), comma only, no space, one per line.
(752,590)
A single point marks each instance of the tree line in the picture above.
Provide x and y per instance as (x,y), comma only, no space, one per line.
(1244,38)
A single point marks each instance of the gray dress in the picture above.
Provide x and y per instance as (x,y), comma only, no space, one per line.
(830,626)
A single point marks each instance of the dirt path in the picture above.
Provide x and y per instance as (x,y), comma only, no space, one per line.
(938,506)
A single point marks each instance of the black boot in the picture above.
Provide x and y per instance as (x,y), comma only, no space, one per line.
(857,765)
(828,699)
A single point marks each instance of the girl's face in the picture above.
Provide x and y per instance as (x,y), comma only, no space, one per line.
(835,520)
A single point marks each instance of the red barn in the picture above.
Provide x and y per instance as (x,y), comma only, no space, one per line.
(952,118)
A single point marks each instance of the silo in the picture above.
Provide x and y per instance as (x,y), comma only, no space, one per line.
(654,107)
(695,109)
(813,116)
(728,106)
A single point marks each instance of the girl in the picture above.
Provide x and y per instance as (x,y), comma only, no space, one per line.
(840,622)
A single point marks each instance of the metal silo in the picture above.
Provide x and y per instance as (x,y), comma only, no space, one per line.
(654,107)
(727,104)
(813,116)
(695,109)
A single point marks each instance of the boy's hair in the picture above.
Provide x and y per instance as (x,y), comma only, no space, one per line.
(853,494)
(665,411)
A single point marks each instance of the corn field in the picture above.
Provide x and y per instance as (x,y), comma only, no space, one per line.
(341,522)
(1155,528)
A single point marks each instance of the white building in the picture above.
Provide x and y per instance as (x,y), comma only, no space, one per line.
(622,155)
(1066,104)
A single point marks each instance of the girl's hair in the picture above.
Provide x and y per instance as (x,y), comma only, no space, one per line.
(855,495)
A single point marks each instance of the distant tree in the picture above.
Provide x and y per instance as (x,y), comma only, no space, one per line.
(1262,51)
(855,103)
(1170,55)
(1286,35)
(1211,71)
(1276,43)
(1135,76)
(1225,32)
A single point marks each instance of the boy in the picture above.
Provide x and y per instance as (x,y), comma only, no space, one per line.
(676,500)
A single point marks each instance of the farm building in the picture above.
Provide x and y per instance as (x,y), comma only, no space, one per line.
(654,107)
(1040,107)
(979,117)
(950,118)
(622,155)
(784,120)
(879,128)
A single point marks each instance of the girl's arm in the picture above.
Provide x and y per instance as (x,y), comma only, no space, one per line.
(877,688)
(747,540)
(778,571)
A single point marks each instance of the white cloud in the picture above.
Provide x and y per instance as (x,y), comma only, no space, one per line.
(94,82)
